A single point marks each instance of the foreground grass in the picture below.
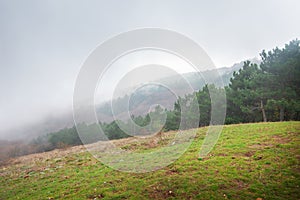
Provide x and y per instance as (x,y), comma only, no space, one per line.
(250,161)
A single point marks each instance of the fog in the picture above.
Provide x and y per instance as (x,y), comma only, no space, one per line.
(43,45)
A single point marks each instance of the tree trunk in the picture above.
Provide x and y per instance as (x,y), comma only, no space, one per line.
(263,111)
(281,113)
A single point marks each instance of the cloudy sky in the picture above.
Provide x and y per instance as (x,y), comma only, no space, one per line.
(44,43)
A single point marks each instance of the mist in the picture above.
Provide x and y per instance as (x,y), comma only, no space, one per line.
(43,45)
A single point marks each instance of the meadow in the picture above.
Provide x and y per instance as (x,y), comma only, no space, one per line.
(249,161)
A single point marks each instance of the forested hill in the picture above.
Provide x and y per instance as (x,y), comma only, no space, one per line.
(268,91)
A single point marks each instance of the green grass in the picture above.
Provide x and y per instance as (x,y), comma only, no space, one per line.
(249,161)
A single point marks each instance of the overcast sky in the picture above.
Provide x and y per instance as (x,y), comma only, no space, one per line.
(44,43)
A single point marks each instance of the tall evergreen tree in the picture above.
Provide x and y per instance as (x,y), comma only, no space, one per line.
(283,69)
(247,92)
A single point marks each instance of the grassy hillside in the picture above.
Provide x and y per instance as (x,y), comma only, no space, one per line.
(250,161)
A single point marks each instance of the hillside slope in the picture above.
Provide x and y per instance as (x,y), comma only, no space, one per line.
(250,161)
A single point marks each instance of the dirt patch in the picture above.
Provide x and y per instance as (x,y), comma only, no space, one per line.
(157,192)
(280,140)
(274,140)
(240,184)
(172,172)
(40,157)
(131,143)
(222,154)
(249,154)
(257,146)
